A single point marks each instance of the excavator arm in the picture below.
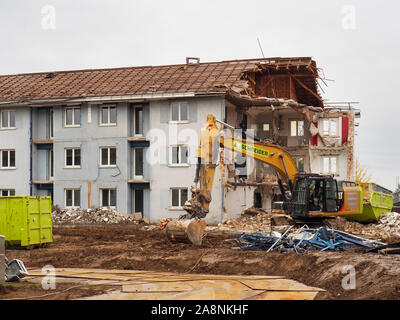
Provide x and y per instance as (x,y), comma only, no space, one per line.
(213,141)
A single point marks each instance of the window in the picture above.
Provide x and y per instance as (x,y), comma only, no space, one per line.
(179,112)
(7,192)
(330,165)
(7,119)
(299,164)
(108,115)
(138,162)
(178,197)
(297,128)
(72,198)
(7,160)
(108,157)
(108,197)
(73,158)
(51,164)
(178,155)
(72,117)
(329,127)
(51,126)
(138,118)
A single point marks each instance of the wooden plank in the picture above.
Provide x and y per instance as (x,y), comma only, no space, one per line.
(285,295)
(157,287)
(278,284)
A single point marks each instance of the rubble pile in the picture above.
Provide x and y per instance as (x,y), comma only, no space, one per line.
(88,216)
(387,228)
(248,223)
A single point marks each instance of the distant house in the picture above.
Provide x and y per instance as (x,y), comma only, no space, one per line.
(126,137)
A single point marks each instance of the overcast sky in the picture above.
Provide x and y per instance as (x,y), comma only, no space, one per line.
(356,43)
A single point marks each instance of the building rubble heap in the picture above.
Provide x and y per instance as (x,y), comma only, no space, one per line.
(87,216)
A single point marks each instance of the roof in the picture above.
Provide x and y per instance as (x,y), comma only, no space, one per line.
(197,78)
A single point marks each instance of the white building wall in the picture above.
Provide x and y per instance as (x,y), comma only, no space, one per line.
(163,176)
(19,140)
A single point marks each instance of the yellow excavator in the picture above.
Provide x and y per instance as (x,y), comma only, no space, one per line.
(305,195)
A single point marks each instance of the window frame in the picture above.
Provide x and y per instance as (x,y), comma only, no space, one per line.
(51,164)
(73,125)
(179,112)
(297,127)
(140,177)
(8,192)
(330,165)
(297,160)
(73,166)
(109,198)
(180,207)
(108,124)
(134,121)
(51,123)
(73,198)
(9,167)
(329,121)
(9,127)
(179,164)
(108,165)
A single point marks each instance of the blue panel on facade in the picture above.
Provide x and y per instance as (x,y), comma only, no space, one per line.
(140,144)
(142,185)
(45,146)
(44,186)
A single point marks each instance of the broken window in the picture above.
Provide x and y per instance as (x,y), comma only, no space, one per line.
(179,112)
(330,165)
(329,127)
(178,197)
(108,156)
(7,192)
(108,197)
(7,119)
(73,157)
(72,198)
(108,115)
(296,128)
(7,160)
(72,116)
(179,154)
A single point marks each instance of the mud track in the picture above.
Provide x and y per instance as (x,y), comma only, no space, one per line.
(128,247)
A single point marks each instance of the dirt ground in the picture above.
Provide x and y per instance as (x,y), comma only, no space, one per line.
(128,247)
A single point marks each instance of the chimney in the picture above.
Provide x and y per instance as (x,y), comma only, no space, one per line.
(190,60)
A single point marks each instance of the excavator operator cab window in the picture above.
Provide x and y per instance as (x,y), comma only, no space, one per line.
(316,195)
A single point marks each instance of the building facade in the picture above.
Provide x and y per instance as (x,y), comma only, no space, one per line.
(126,138)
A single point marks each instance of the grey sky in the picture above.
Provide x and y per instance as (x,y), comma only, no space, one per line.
(364,62)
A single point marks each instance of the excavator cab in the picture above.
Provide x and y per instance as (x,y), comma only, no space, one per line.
(314,195)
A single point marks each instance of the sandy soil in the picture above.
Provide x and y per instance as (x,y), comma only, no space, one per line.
(128,247)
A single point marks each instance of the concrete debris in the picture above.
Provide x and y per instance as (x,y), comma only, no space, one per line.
(88,216)
(248,223)
(163,223)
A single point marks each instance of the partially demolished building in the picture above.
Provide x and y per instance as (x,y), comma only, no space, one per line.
(126,137)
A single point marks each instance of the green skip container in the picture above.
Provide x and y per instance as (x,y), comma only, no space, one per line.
(26,221)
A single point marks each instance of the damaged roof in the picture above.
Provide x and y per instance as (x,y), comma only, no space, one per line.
(239,76)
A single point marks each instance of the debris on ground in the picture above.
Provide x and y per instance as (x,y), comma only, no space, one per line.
(87,216)
(386,229)
(247,223)
(163,223)
(302,240)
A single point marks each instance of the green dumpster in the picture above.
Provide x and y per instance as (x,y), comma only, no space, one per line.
(26,221)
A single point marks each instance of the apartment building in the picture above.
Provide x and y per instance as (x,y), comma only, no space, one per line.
(126,137)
